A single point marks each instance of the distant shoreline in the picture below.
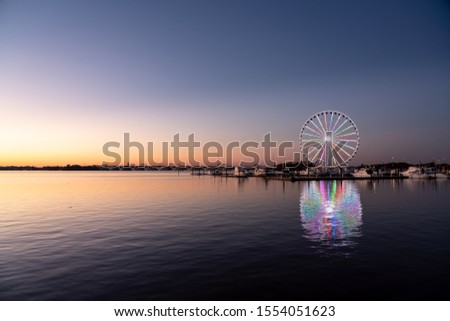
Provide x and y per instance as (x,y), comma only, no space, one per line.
(293,167)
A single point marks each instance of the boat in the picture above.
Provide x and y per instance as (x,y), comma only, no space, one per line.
(260,171)
(239,172)
(411,170)
(423,173)
(362,173)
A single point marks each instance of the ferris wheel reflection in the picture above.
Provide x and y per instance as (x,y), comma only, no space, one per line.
(331,213)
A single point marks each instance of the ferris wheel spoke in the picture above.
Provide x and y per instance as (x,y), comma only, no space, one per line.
(350,156)
(325,121)
(333,154)
(318,152)
(349,147)
(341,148)
(340,144)
(345,135)
(331,120)
(344,140)
(315,125)
(340,160)
(315,131)
(337,122)
(323,153)
(313,135)
(323,128)
(344,131)
(338,133)
(342,124)
(312,140)
(341,154)
(337,147)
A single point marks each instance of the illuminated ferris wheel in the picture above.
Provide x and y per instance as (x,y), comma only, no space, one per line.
(329,139)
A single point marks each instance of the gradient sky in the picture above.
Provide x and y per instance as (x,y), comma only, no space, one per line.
(76,74)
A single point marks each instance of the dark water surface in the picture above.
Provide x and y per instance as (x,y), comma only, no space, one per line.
(154,236)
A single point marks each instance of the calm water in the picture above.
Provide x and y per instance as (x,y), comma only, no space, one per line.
(151,236)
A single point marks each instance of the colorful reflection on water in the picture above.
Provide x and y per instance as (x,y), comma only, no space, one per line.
(331,213)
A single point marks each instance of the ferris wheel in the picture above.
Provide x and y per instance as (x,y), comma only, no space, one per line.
(329,139)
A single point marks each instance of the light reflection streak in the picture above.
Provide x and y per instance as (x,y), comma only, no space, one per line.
(331,213)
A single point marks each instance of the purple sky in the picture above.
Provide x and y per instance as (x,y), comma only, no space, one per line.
(76,74)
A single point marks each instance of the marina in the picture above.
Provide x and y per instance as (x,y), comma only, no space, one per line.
(318,174)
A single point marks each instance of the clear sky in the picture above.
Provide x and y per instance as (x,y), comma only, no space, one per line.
(76,74)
